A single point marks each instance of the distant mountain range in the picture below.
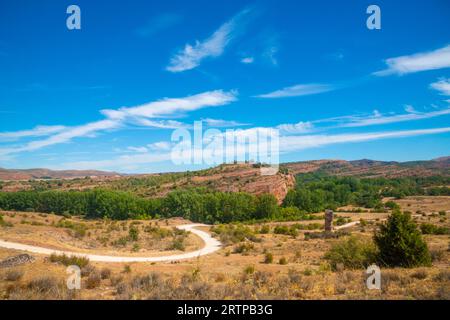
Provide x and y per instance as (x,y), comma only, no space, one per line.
(372,168)
(363,167)
(32,174)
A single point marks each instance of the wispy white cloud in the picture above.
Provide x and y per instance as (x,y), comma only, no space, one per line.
(218,123)
(160,124)
(298,90)
(160,145)
(169,106)
(67,135)
(138,149)
(142,115)
(214,46)
(410,109)
(432,60)
(248,60)
(443,86)
(379,119)
(35,132)
(295,128)
(241,146)
(297,143)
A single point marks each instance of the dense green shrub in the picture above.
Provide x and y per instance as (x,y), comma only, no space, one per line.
(234,233)
(351,253)
(69,260)
(196,205)
(286,230)
(400,243)
(428,228)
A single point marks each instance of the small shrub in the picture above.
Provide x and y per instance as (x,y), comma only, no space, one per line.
(243,248)
(437,255)
(127,269)
(428,228)
(230,233)
(282,261)
(116,280)
(43,284)
(4,224)
(105,273)
(264,229)
(13,275)
(307,272)
(69,260)
(442,276)
(268,258)
(177,244)
(87,270)
(249,270)
(121,242)
(133,233)
(94,280)
(289,231)
(352,253)
(392,205)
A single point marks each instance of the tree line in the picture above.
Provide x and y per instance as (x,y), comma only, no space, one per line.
(315,192)
(195,205)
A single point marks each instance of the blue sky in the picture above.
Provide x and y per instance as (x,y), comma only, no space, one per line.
(110,95)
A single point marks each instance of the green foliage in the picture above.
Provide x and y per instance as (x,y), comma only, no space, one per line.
(316,192)
(428,228)
(400,243)
(286,230)
(195,204)
(178,244)
(234,233)
(392,205)
(265,229)
(243,248)
(268,258)
(133,234)
(3,223)
(69,260)
(351,253)
(266,207)
(78,229)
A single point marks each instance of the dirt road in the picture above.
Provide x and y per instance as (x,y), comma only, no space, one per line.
(211,245)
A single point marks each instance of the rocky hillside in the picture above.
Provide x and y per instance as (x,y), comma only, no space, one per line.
(226,178)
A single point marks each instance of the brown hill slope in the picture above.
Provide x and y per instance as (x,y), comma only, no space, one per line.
(227,177)
(371,168)
(27,174)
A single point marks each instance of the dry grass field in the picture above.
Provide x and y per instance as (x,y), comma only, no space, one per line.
(265,264)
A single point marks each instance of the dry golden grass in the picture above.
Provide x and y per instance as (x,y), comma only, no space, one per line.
(228,275)
(99,236)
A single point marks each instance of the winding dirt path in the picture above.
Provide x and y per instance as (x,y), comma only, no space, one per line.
(211,245)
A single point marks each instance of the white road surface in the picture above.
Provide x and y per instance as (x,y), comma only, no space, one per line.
(211,245)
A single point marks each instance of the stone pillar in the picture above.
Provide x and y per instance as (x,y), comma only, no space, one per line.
(328,220)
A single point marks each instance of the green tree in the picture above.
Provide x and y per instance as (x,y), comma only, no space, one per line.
(400,243)
(266,206)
